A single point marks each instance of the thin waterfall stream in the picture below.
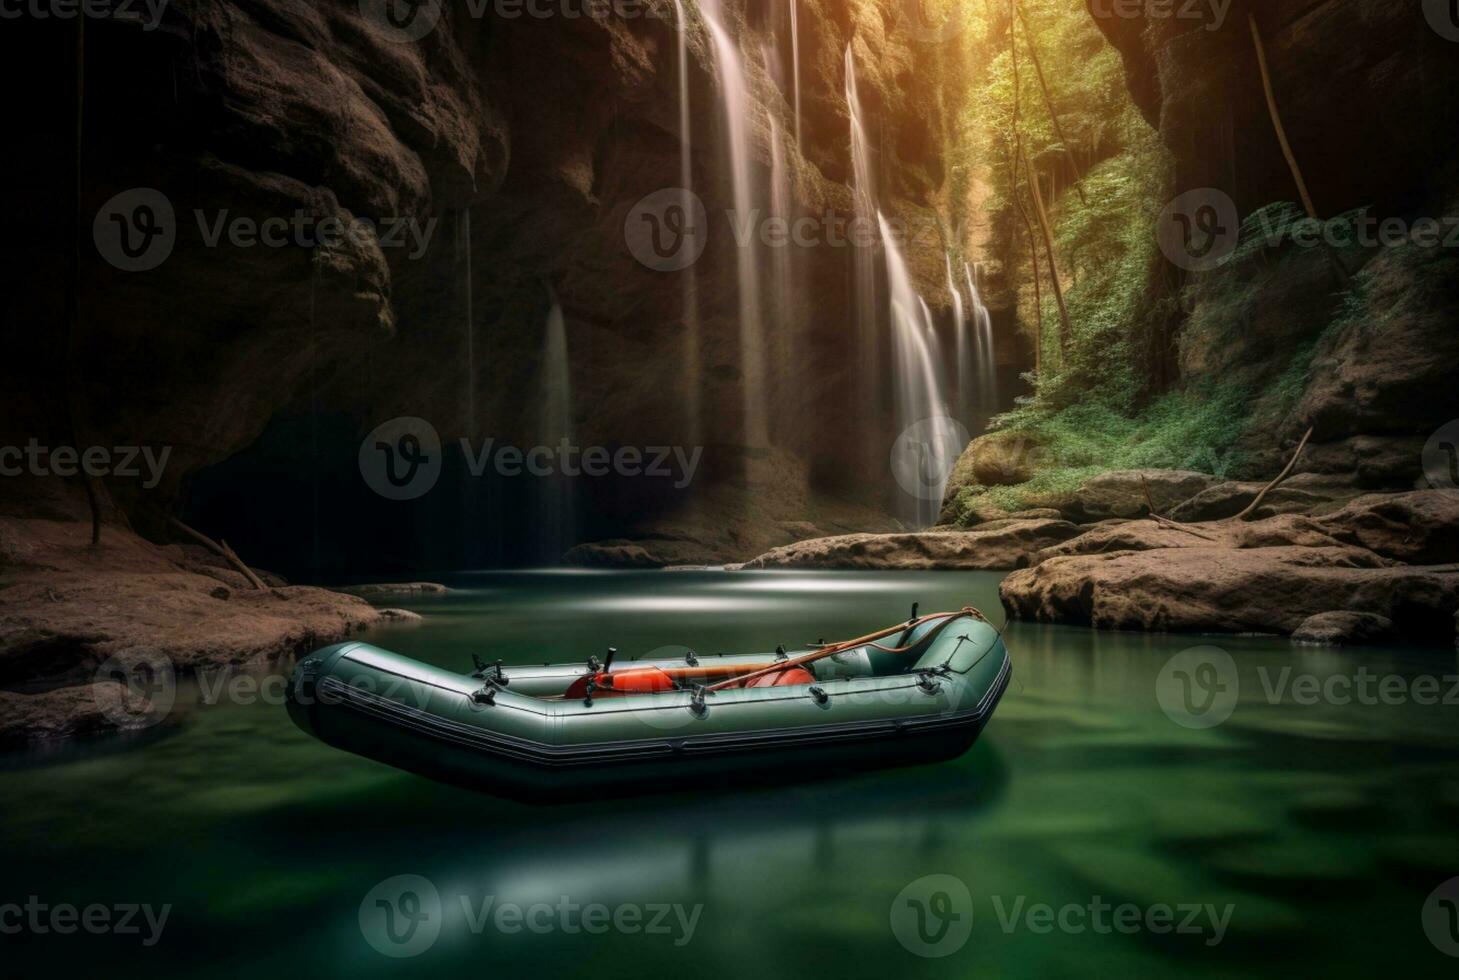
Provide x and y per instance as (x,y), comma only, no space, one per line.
(918,389)
(982,322)
(557,522)
(738,104)
(692,372)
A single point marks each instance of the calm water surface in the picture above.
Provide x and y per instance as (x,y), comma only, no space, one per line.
(1320,829)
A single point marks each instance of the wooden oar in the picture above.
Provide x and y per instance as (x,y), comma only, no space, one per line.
(831,649)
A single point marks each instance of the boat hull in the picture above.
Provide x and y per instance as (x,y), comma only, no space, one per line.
(425,720)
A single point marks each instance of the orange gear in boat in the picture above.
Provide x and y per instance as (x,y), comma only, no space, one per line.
(783,678)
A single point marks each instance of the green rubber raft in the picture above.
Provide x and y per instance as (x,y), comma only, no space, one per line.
(915,693)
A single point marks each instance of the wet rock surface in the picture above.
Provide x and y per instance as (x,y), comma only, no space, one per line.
(984,550)
(74,615)
(1337,628)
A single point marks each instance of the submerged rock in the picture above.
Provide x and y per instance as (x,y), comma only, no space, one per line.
(393,590)
(1007,546)
(1337,628)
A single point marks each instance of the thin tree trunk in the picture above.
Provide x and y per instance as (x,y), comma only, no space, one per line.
(1038,68)
(1271,104)
(1338,268)
(1038,290)
(1042,215)
(1018,157)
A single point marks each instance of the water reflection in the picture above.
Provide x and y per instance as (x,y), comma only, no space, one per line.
(1306,819)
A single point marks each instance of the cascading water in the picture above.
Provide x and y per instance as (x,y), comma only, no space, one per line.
(735,92)
(863,191)
(963,349)
(692,372)
(779,307)
(982,322)
(556,524)
(918,390)
(929,439)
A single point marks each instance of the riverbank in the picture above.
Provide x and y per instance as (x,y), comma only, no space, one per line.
(80,624)
(1377,567)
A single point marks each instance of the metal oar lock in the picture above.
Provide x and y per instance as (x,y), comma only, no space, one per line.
(492,677)
(489,671)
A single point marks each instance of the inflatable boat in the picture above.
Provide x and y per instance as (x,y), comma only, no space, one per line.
(918,692)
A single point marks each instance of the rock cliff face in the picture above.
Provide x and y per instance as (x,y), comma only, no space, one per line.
(497,161)
(1360,87)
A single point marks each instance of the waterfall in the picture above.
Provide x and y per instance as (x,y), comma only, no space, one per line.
(692,373)
(928,436)
(735,91)
(963,349)
(782,256)
(916,385)
(864,272)
(795,64)
(987,357)
(556,523)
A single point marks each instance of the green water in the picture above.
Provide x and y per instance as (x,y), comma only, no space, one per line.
(1322,828)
